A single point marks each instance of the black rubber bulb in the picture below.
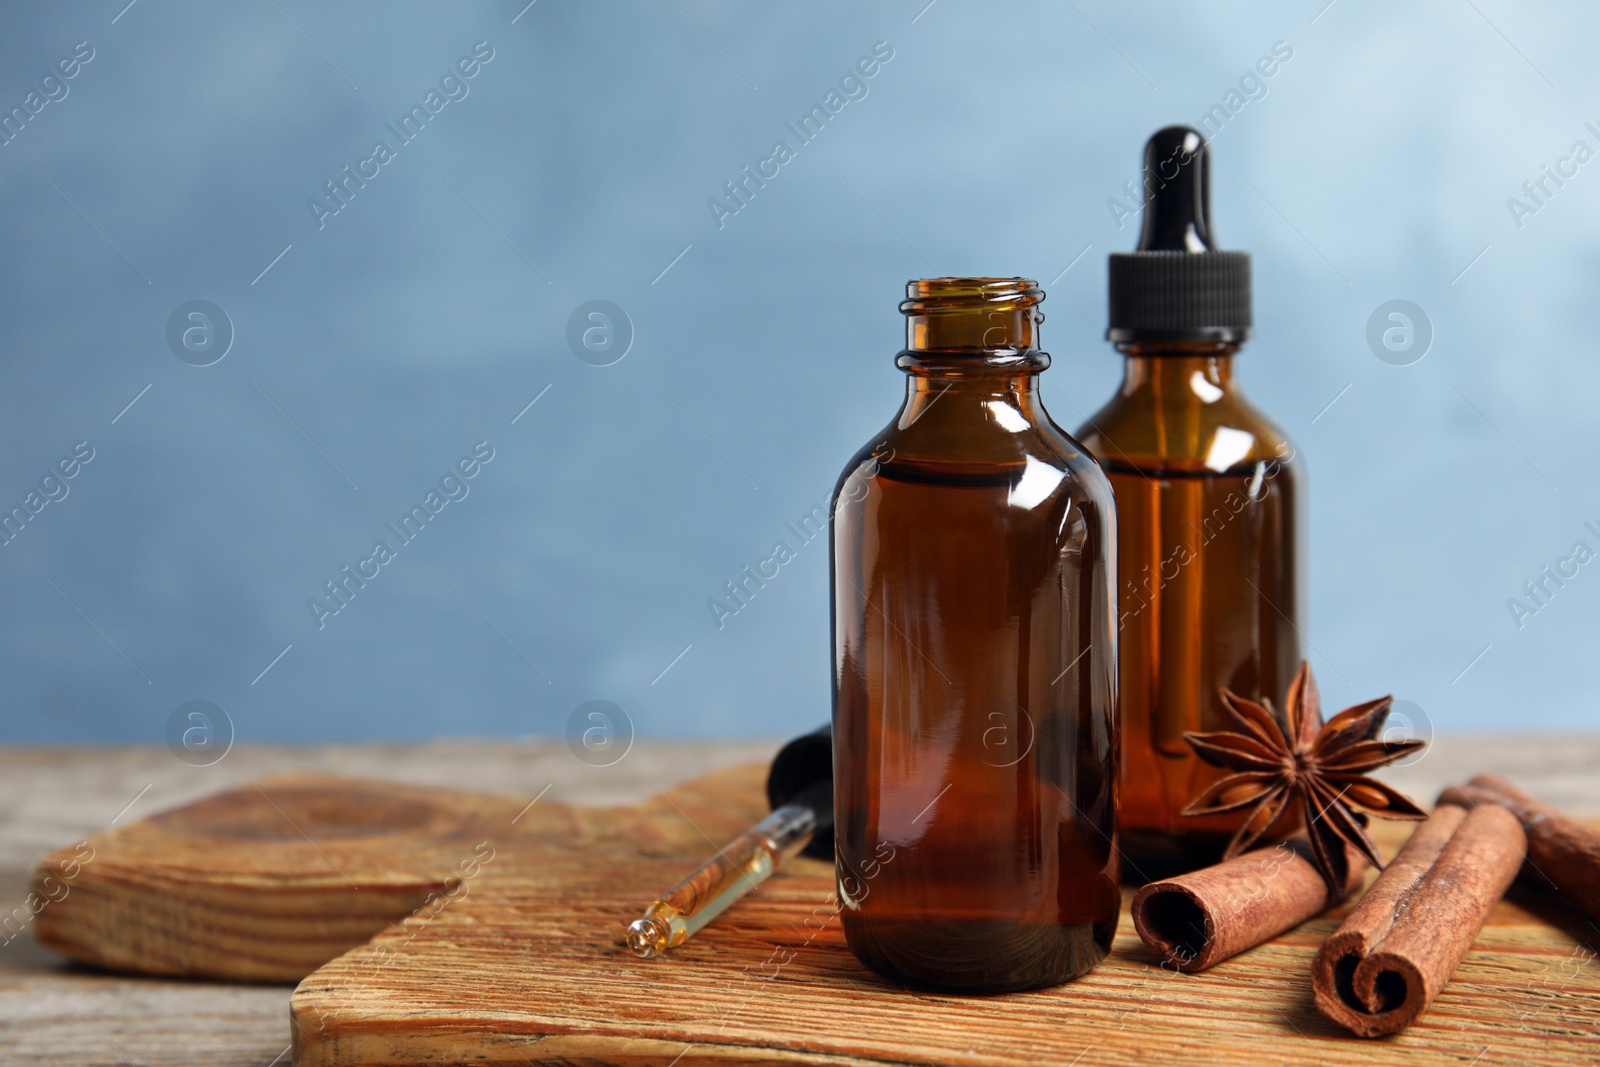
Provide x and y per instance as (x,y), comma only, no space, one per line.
(1177,192)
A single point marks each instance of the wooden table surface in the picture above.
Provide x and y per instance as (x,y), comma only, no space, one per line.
(54,1012)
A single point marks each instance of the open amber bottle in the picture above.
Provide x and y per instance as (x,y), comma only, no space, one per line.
(975,665)
(1209,495)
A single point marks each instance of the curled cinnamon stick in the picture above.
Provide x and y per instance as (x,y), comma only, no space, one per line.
(1562,851)
(1398,948)
(1201,918)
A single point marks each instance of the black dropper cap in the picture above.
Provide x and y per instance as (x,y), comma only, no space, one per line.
(1177,286)
(802,773)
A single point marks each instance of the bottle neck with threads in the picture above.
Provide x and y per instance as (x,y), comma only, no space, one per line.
(972,340)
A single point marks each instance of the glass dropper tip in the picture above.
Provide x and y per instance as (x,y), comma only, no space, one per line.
(648,937)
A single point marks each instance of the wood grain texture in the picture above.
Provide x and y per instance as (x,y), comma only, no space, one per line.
(566,992)
(264,882)
(532,969)
(272,879)
(53,1011)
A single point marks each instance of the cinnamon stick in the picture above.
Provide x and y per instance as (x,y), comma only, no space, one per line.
(1201,918)
(1562,851)
(1398,948)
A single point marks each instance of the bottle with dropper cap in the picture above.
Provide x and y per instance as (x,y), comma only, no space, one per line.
(1208,494)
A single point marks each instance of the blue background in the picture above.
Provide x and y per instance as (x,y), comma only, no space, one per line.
(430,311)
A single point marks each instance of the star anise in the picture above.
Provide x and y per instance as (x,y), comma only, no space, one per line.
(1322,766)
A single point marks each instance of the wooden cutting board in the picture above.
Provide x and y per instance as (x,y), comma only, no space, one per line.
(441,927)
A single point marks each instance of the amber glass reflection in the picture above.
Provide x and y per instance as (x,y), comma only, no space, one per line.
(1208,498)
(975,665)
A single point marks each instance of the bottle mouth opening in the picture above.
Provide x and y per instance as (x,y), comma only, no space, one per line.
(928,296)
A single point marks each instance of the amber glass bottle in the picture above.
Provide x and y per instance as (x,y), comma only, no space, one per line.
(1209,494)
(975,665)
